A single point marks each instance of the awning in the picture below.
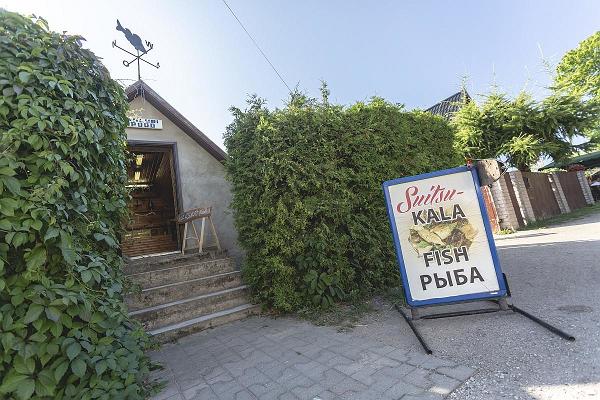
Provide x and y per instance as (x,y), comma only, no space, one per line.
(589,160)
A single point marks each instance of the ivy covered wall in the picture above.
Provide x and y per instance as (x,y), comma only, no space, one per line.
(64,331)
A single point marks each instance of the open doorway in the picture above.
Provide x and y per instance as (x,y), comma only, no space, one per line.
(153,206)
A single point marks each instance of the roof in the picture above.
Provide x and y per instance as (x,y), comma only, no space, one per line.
(447,107)
(589,160)
(141,88)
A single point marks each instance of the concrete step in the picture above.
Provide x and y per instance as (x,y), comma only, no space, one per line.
(155,296)
(147,245)
(189,308)
(147,264)
(172,273)
(175,331)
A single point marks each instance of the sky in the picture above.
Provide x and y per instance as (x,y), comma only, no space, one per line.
(411,52)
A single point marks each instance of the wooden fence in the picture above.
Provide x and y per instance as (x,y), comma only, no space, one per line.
(519,198)
(572,189)
(541,196)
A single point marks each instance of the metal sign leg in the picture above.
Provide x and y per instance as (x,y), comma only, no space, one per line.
(502,306)
(546,325)
(415,331)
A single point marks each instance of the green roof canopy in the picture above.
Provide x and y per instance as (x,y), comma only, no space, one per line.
(589,160)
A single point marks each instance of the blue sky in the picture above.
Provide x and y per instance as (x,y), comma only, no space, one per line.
(410,52)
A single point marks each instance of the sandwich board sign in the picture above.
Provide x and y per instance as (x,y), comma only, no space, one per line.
(443,240)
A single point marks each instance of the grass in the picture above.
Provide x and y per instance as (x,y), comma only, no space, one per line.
(344,316)
(395,296)
(505,231)
(573,215)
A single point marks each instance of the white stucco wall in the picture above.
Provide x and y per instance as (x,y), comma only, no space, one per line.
(202,176)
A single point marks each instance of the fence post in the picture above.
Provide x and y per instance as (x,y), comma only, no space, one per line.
(507,216)
(522,196)
(559,193)
(585,187)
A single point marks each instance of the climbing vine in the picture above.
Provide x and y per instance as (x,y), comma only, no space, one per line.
(64,330)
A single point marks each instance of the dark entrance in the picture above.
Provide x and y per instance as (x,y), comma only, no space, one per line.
(151,177)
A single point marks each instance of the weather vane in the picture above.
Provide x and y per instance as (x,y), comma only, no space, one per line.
(137,43)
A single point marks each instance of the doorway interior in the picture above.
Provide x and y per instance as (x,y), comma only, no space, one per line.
(153,205)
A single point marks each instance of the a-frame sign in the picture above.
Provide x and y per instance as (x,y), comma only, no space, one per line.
(444,243)
(445,246)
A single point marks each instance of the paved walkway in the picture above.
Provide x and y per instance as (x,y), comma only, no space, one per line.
(554,273)
(265,358)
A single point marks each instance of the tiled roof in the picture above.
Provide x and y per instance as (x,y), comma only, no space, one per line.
(447,107)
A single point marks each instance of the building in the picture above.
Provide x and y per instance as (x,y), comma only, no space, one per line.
(174,167)
(447,107)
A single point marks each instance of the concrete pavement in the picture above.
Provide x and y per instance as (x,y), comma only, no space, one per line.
(554,273)
(264,358)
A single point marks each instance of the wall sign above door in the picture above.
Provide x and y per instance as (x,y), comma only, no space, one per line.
(145,123)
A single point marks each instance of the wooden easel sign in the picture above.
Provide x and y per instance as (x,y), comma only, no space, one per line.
(188,217)
(444,243)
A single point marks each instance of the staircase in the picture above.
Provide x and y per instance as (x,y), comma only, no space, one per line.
(182,294)
(135,246)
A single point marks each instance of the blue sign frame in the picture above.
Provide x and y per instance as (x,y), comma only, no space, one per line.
(488,230)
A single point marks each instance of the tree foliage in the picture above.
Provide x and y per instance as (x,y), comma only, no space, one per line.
(307,197)
(520,130)
(578,74)
(64,331)
(579,70)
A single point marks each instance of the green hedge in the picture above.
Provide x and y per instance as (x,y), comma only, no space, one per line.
(64,331)
(307,197)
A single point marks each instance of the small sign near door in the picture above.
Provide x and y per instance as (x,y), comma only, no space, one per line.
(145,123)
(444,243)
(194,213)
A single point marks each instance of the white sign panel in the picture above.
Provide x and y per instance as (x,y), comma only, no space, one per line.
(145,123)
(443,240)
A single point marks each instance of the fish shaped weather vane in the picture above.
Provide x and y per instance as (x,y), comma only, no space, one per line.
(138,45)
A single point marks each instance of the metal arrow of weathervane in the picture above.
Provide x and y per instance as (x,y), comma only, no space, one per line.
(137,43)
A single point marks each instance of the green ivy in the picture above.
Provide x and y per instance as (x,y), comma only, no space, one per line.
(307,197)
(64,330)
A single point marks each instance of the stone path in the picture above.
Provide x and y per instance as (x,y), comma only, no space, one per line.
(265,358)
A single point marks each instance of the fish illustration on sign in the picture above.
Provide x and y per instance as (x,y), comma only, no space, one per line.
(442,235)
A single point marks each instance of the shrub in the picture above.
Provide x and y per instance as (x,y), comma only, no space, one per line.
(64,333)
(307,197)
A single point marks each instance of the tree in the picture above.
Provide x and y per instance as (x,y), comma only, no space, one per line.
(521,130)
(579,70)
(578,74)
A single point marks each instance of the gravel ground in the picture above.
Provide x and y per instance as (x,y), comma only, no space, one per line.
(554,273)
